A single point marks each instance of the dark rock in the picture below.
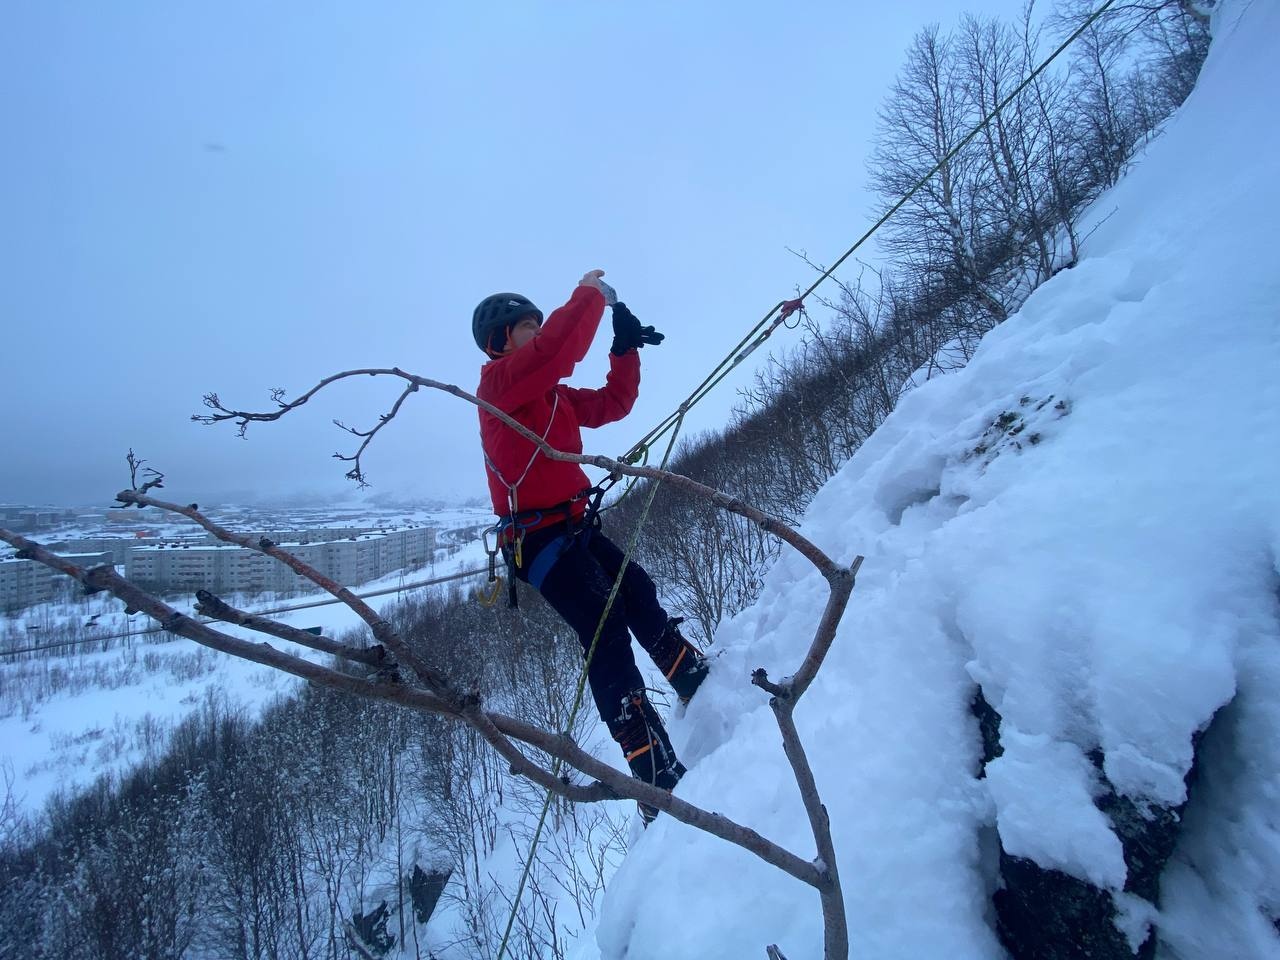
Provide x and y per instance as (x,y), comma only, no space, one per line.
(1147,832)
(1147,835)
(425,888)
(989,727)
(1048,915)
(1044,914)
(372,929)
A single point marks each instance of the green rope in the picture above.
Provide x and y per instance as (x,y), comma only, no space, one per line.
(582,685)
(738,353)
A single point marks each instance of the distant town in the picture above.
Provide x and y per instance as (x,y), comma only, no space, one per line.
(164,553)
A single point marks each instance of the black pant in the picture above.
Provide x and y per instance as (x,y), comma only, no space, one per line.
(577,586)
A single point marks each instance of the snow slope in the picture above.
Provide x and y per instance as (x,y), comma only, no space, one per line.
(1103,560)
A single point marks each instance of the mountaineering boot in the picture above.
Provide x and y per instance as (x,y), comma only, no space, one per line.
(680,661)
(639,731)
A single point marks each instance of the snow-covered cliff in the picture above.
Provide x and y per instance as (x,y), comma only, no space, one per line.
(1084,524)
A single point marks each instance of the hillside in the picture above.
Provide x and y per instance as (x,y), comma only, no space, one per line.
(1083,524)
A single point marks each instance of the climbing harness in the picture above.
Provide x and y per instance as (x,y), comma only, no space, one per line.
(507,536)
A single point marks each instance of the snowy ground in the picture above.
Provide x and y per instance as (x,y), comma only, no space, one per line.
(1086,520)
(114,709)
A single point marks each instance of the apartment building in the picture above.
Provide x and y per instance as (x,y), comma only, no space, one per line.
(24,519)
(119,547)
(350,561)
(24,583)
(406,549)
(354,557)
(179,566)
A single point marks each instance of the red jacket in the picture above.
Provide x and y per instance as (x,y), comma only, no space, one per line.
(526,385)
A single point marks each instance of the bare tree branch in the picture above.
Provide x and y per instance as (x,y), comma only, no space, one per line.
(823,876)
(563,747)
(841,588)
(783,701)
(215,608)
(356,473)
(835,925)
(136,467)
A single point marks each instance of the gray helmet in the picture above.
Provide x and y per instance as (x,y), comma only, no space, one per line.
(495,315)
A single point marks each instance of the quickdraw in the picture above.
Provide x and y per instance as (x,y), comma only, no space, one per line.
(514,526)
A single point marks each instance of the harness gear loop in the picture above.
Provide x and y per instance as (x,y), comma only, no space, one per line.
(515,526)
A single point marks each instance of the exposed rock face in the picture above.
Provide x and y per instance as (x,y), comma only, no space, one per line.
(989,727)
(1045,914)
(371,931)
(425,888)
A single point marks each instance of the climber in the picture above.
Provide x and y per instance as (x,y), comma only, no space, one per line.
(549,536)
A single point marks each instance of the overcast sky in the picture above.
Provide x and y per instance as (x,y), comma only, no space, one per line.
(235,196)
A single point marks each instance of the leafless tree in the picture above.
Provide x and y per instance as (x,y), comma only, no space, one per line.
(1130,69)
(941,235)
(11,818)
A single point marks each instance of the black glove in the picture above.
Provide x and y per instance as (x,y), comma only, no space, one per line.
(628,333)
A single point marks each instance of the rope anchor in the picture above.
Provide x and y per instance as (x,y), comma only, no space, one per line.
(791,306)
(785,309)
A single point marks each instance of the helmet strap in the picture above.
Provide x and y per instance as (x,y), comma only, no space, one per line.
(495,354)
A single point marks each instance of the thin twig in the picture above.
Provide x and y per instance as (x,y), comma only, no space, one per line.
(356,473)
(135,466)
